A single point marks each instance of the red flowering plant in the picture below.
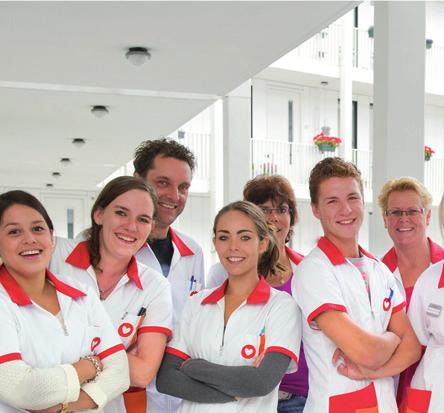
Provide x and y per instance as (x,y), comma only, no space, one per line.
(325,142)
(428,152)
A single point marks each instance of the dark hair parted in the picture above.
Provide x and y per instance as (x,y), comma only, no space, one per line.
(267,264)
(332,168)
(109,193)
(18,197)
(275,188)
(147,151)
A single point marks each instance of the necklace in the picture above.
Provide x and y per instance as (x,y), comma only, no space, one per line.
(103,292)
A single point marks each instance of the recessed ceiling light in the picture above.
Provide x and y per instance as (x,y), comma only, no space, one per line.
(138,55)
(65,161)
(99,111)
(56,174)
(78,142)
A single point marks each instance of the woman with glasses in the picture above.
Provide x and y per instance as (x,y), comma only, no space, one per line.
(405,203)
(275,196)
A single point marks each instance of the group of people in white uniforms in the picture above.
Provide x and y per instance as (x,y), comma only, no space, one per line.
(233,344)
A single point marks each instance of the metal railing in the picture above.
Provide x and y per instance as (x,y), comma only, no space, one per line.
(434,177)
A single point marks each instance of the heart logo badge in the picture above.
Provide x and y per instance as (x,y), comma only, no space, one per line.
(248,351)
(125,329)
(95,342)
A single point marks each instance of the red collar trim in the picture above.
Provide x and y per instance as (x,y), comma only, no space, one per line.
(436,254)
(259,295)
(184,250)
(19,297)
(294,256)
(390,259)
(441,280)
(79,257)
(436,251)
(334,254)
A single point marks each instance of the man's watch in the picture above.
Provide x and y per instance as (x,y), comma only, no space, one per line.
(64,408)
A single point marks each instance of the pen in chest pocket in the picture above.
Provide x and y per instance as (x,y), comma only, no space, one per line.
(141,314)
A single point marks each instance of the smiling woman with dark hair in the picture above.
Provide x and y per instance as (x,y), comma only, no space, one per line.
(58,349)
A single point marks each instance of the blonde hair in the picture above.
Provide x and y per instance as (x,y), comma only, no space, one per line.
(405,183)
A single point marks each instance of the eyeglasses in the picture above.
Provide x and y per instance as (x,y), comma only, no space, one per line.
(398,213)
(282,210)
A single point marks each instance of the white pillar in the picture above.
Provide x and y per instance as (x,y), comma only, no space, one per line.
(346,86)
(236,133)
(399,83)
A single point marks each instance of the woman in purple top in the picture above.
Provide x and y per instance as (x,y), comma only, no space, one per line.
(275,196)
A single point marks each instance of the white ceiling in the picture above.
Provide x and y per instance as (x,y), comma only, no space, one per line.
(60,58)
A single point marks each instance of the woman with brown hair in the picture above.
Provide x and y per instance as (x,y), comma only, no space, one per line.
(137,298)
(275,196)
(234,343)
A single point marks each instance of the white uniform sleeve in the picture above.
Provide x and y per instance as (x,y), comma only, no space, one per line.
(159,307)
(62,248)
(418,311)
(316,289)
(112,382)
(26,387)
(283,329)
(216,275)
(107,345)
(179,345)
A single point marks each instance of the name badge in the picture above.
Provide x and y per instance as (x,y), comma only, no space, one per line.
(434,310)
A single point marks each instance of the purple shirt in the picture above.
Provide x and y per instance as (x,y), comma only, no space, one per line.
(295,383)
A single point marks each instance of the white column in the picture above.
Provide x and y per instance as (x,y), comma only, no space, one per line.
(236,133)
(346,86)
(399,71)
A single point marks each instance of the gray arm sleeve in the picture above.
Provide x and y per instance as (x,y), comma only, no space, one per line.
(171,380)
(240,381)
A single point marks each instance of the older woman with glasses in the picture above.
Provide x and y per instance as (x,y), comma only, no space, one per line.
(405,204)
(275,196)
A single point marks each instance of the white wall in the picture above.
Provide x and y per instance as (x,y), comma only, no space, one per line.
(58,201)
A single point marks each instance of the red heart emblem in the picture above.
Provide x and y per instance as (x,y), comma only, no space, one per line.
(95,342)
(125,329)
(386,304)
(248,351)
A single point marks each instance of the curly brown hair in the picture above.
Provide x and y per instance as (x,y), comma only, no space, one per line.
(147,151)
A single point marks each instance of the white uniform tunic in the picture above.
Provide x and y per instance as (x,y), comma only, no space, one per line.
(34,335)
(326,280)
(427,318)
(140,288)
(390,259)
(268,320)
(217,274)
(186,277)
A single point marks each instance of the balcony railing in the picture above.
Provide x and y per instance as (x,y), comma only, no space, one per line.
(295,160)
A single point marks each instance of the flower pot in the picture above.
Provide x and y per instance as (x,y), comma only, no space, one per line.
(325,147)
(427,157)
